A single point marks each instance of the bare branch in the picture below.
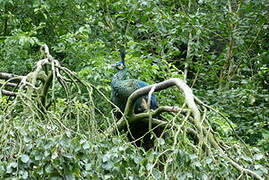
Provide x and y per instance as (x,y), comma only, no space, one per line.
(8,84)
(189,97)
(4,75)
(45,49)
(158,111)
(189,100)
(8,93)
(8,76)
(172,109)
(148,106)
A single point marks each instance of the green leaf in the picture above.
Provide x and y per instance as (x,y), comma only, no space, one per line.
(246,158)
(24,174)
(258,156)
(25,158)
(209,160)
(10,166)
(86,146)
(54,155)
(161,141)
(156,173)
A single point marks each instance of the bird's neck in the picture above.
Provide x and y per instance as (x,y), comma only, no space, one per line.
(121,75)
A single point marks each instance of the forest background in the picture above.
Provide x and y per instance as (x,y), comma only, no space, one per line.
(219,47)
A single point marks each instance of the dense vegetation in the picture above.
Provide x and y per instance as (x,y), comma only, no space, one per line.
(219,47)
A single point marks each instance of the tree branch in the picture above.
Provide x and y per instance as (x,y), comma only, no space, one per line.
(46,89)
(8,93)
(158,111)
(181,85)
(189,100)
(8,84)
(9,76)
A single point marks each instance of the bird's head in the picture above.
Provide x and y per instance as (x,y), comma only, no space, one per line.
(119,65)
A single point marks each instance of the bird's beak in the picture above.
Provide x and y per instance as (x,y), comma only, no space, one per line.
(113,65)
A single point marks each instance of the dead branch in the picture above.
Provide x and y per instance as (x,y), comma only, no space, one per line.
(192,114)
(181,85)
(46,89)
(129,109)
(8,84)
(4,75)
(10,77)
(203,134)
(8,93)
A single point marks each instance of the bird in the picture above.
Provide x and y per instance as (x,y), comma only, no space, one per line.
(123,86)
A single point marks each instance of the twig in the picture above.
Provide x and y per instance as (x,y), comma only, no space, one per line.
(222,115)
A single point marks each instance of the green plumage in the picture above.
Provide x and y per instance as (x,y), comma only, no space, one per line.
(122,88)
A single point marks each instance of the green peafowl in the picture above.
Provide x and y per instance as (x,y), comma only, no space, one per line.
(122,88)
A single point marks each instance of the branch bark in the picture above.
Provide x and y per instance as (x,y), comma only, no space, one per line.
(181,85)
(9,76)
(8,84)
(129,116)
(8,93)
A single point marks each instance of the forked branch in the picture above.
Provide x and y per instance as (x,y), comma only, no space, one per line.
(181,85)
(130,116)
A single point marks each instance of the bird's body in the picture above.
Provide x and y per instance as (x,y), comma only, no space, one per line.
(122,87)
